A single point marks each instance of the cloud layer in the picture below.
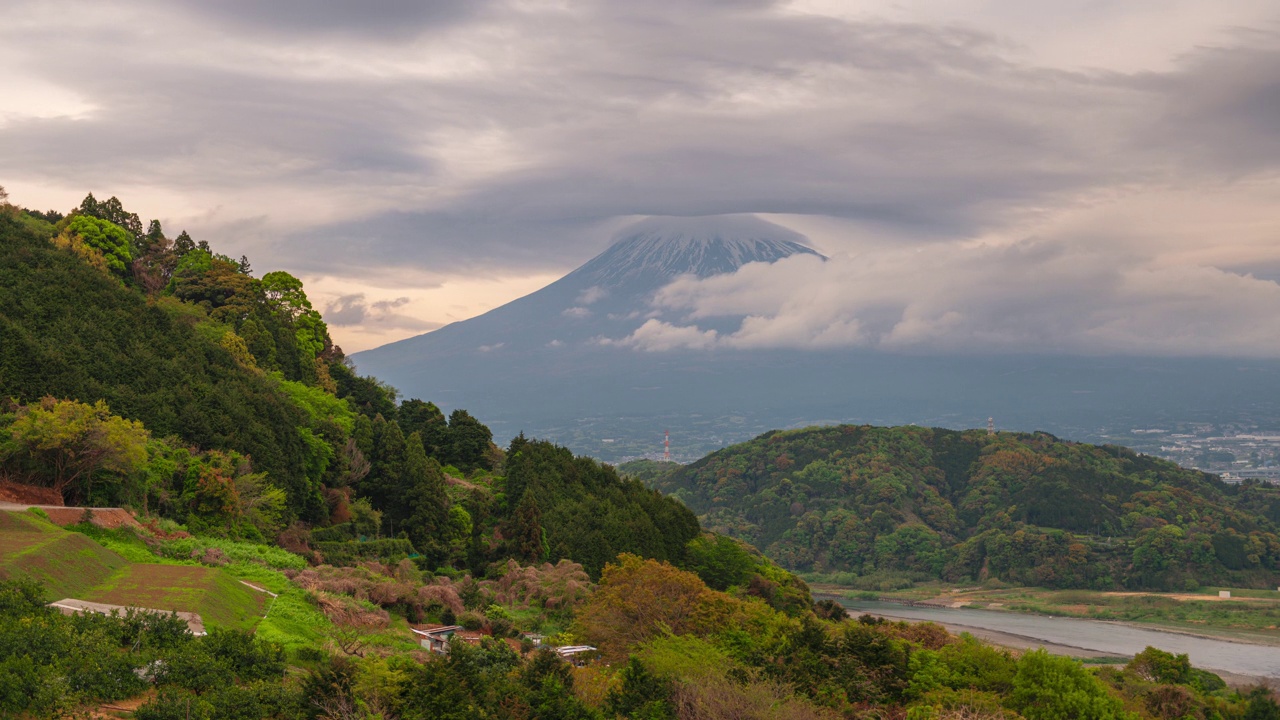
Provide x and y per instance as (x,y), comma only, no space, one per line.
(467,141)
(1038,296)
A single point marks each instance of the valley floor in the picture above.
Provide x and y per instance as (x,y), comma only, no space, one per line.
(1092,657)
(1251,616)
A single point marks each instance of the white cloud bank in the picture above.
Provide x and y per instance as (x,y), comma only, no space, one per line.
(1039,295)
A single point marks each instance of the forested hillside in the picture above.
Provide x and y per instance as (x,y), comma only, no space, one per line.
(155,373)
(70,330)
(1026,508)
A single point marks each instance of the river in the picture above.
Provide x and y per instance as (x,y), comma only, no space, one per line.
(1093,635)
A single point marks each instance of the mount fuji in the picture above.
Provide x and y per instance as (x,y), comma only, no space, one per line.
(606,298)
(545,364)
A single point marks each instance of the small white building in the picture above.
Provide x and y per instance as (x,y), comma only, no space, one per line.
(578,655)
(436,639)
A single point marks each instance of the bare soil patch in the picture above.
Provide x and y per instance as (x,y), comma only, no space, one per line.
(110,518)
(28,494)
(121,708)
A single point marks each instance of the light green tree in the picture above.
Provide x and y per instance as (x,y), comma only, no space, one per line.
(109,239)
(63,443)
(285,292)
(1048,687)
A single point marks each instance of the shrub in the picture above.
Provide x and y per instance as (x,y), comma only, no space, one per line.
(1047,687)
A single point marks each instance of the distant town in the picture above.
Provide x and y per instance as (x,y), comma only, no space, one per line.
(1235,451)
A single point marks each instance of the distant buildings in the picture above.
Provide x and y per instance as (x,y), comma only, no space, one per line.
(437,639)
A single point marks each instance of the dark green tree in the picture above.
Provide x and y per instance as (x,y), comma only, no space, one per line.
(368,395)
(1262,705)
(641,694)
(524,532)
(469,442)
(183,244)
(427,502)
(382,485)
(425,418)
(720,561)
(155,234)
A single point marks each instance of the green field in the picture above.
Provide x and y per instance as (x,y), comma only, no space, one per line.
(71,565)
(67,564)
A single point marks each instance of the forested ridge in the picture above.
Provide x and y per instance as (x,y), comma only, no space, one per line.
(187,387)
(1024,508)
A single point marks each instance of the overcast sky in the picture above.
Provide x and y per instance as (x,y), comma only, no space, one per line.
(1094,176)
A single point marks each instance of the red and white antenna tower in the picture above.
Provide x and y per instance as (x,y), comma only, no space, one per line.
(666,446)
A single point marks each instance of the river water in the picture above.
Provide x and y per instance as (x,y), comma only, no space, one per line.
(1101,637)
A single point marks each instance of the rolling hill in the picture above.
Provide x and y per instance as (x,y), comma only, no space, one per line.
(1027,508)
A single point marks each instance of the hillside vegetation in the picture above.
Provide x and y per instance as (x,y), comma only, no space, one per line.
(1025,508)
(154,373)
(160,376)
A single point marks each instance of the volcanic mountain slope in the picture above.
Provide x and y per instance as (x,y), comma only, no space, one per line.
(608,297)
(542,357)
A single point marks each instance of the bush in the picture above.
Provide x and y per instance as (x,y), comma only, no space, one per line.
(235,551)
(1056,688)
(351,552)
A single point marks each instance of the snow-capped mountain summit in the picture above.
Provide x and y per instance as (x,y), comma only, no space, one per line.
(608,297)
(659,249)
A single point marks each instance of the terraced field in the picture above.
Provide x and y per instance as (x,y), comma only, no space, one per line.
(220,599)
(71,565)
(68,564)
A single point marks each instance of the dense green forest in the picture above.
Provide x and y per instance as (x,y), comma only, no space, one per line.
(1023,508)
(158,374)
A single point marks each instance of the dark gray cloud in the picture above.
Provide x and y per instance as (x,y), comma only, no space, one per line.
(382,19)
(356,310)
(1222,111)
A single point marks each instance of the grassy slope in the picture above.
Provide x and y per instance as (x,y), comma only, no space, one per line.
(68,565)
(72,565)
(291,619)
(219,598)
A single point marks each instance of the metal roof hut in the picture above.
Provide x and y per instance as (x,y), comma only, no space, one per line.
(578,655)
